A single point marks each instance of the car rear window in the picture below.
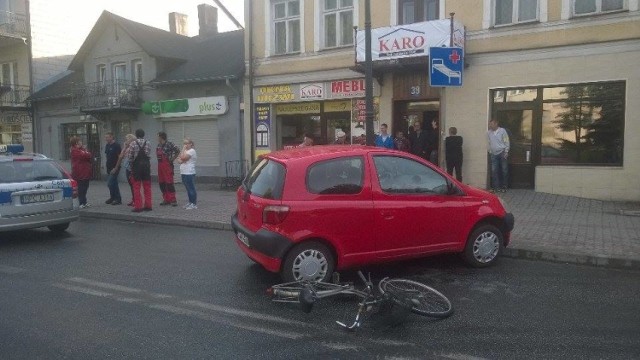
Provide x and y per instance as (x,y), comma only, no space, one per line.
(27,171)
(266,179)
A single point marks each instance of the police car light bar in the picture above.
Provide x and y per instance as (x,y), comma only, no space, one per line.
(11,149)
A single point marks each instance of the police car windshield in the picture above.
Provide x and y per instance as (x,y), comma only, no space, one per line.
(27,171)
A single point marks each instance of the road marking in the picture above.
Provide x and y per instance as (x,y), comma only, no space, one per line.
(10,269)
(339,346)
(98,293)
(117,288)
(204,316)
(243,313)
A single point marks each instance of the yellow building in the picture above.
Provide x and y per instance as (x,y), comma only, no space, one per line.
(561,76)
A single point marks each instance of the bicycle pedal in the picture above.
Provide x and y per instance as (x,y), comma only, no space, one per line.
(335,277)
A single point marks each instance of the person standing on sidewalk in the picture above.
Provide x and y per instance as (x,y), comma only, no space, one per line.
(499,153)
(453,153)
(112,151)
(167,152)
(80,169)
(139,158)
(384,139)
(123,161)
(187,160)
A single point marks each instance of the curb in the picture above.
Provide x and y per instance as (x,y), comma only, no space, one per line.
(538,255)
(161,221)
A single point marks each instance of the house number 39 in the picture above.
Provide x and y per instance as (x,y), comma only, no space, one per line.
(415,90)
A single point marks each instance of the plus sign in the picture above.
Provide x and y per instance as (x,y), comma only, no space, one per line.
(454,57)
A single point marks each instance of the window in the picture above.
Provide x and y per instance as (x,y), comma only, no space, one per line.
(405,176)
(266,179)
(412,11)
(588,7)
(338,23)
(101,73)
(137,72)
(514,11)
(9,73)
(286,26)
(336,177)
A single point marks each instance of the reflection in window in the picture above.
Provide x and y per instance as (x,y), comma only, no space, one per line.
(586,127)
(515,95)
(405,176)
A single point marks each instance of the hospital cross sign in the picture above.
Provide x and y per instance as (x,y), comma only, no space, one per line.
(446,65)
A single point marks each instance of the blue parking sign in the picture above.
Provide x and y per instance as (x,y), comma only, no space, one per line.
(445,66)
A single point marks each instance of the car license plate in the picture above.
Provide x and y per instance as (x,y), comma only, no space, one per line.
(36,198)
(243,238)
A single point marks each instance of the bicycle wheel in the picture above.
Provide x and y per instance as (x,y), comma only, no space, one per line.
(424,300)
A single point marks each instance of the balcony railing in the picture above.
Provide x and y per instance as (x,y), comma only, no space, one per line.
(14,95)
(108,95)
(13,25)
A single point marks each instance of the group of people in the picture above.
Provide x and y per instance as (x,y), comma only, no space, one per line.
(135,158)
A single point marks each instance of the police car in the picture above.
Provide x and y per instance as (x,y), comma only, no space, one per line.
(35,191)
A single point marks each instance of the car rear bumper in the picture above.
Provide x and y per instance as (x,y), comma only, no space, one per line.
(265,247)
(38,220)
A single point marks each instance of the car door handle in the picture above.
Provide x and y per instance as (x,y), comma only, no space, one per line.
(387,215)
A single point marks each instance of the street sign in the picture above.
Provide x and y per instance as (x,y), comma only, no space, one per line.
(445,66)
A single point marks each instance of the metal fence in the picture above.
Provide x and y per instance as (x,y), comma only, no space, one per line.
(12,24)
(108,94)
(14,95)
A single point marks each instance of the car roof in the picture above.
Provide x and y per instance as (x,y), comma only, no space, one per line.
(323,151)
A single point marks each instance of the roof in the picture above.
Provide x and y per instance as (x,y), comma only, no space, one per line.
(217,57)
(61,88)
(321,151)
(155,42)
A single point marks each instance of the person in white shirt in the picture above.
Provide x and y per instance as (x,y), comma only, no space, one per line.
(499,152)
(187,160)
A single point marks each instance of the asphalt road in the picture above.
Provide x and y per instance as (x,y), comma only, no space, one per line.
(124,290)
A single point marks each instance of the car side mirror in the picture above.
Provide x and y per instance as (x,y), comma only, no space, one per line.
(452,189)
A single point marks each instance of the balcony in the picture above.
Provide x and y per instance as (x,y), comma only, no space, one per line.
(108,96)
(13,25)
(14,96)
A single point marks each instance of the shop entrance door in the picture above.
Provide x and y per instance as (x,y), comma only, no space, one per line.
(518,119)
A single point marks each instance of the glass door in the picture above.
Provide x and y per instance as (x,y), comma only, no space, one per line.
(518,120)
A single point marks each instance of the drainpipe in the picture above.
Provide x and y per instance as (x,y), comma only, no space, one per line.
(251,80)
(31,108)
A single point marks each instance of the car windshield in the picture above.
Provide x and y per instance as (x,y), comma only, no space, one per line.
(266,179)
(27,171)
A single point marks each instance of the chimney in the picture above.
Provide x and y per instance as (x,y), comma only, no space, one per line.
(208,19)
(178,24)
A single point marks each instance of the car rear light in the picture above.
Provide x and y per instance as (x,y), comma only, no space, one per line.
(274,214)
(74,186)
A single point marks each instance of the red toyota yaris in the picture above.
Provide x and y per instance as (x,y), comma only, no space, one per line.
(309,211)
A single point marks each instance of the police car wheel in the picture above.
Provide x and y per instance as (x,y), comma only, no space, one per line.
(59,227)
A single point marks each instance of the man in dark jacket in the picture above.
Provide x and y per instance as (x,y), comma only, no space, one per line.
(453,152)
(112,150)
(418,140)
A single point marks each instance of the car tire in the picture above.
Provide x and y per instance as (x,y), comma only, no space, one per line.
(484,245)
(310,260)
(58,228)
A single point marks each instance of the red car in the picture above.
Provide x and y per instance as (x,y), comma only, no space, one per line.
(307,212)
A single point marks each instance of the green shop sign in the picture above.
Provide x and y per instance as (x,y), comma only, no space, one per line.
(207,106)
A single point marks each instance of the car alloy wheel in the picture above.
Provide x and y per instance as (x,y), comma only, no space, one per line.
(310,261)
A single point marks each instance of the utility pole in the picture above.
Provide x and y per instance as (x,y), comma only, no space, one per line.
(368,75)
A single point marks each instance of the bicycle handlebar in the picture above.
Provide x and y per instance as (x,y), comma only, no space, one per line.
(364,280)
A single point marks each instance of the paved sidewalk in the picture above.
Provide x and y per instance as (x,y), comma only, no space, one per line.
(548,227)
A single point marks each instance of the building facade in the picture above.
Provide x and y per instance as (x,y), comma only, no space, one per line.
(128,75)
(15,74)
(559,75)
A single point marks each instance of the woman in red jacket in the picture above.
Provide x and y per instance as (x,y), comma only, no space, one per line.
(80,169)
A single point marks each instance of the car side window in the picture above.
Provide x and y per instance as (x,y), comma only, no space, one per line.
(337,176)
(400,175)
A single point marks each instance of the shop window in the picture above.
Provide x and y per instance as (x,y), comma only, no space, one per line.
(337,21)
(583,124)
(336,177)
(507,12)
(412,11)
(286,26)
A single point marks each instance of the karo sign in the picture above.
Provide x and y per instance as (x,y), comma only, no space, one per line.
(446,65)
